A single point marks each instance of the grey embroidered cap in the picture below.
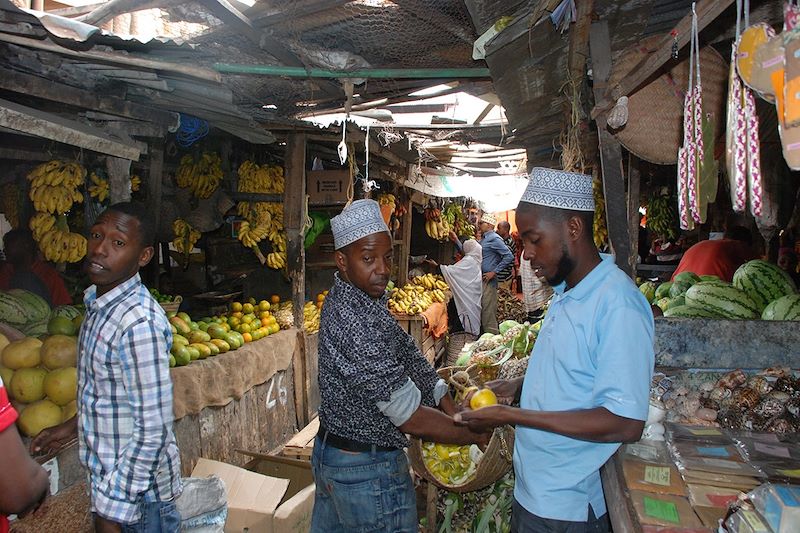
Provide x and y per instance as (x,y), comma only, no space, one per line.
(357,220)
(559,189)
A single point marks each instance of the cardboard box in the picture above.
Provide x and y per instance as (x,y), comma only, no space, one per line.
(327,187)
(271,496)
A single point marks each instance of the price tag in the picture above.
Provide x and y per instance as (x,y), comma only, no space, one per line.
(662,510)
(715,451)
(777,451)
(657,475)
(705,432)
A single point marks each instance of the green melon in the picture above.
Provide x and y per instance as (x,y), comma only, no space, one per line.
(763,282)
(678,288)
(784,308)
(36,308)
(724,301)
(687,311)
(686,277)
(648,288)
(67,311)
(662,291)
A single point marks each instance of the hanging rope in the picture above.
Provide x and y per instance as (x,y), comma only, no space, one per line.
(191,130)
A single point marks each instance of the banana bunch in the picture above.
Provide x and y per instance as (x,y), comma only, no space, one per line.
(311,315)
(11,203)
(99,187)
(264,179)
(276,260)
(54,185)
(436,226)
(454,215)
(202,177)
(387,199)
(185,236)
(600,229)
(264,220)
(136,183)
(62,246)
(41,223)
(662,215)
(417,296)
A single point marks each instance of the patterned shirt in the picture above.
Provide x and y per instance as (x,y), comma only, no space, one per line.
(364,357)
(535,290)
(496,255)
(7,417)
(125,402)
(507,272)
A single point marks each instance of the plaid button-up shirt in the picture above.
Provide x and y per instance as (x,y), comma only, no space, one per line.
(125,402)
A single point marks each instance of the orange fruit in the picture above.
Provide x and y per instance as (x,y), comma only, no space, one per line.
(265,321)
(245,328)
(237,314)
(236,306)
(483,398)
(234,321)
(274,328)
(247,308)
(263,305)
(275,299)
(264,314)
(247,337)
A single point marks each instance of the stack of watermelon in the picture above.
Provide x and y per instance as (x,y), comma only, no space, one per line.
(25,311)
(759,290)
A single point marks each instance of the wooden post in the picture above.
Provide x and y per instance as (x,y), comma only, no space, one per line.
(294,214)
(119,179)
(633,210)
(154,181)
(405,246)
(610,152)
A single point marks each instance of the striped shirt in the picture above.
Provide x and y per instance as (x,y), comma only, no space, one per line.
(508,271)
(535,290)
(125,402)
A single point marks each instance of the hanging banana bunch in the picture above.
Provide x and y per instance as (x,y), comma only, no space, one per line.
(600,228)
(185,238)
(202,177)
(436,226)
(99,187)
(662,215)
(136,183)
(263,220)
(11,203)
(54,186)
(56,241)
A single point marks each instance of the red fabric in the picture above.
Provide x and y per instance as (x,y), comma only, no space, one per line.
(718,258)
(49,276)
(7,417)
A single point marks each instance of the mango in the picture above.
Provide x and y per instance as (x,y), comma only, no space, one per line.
(59,351)
(216,331)
(61,325)
(194,353)
(184,316)
(38,416)
(232,340)
(27,385)
(3,342)
(213,347)
(61,386)
(182,355)
(221,344)
(171,360)
(177,338)
(24,353)
(5,375)
(198,336)
(69,410)
(204,350)
(182,327)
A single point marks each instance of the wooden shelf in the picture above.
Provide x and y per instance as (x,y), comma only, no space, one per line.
(321,264)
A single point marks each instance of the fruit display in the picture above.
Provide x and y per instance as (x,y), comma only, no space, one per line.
(662,215)
(185,237)
(56,241)
(263,220)
(492,352)
(164,298)
(99,188)
(416,296)
(454,216)
(54,186)
(600,229)
(136,183)
(436,226)
(759,290)
(312,312)
(41,376)
(451,464)
(25,311)
(202,177)
(387,203)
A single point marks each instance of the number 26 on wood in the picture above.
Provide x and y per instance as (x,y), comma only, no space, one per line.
(282,394)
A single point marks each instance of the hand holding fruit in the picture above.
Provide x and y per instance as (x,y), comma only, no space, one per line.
(54,438)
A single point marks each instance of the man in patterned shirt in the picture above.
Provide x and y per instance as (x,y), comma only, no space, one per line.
(125,416)
(375,386)
(23,483)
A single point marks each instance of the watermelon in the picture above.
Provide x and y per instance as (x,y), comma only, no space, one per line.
(676,302)
(722,300)
(687,311)
(35,329)
(12,310)
(784,308)
(709,277)
(648,288)
(663,290)
(763,282)
(66,311)
(678,288)
(689,277)
(36,308)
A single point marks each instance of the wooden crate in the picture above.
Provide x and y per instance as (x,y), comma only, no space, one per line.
(302,444)
(414,325)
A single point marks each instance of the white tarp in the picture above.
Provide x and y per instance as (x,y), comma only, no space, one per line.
(495,193)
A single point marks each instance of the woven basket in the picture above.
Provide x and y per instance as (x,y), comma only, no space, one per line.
(495,463)
(455,343)
(173,306)
(654,130)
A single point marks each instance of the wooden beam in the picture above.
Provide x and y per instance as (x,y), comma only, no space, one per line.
(405,247)
(294,212)
(483,114)
(633,210)
(184,69)
(707,11)
(610,154)
(56,128)
(155,179)
(235,20)
(119,179)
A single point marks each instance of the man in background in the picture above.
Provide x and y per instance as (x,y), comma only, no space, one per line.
(23,269)
(719,257)
(506,276)
(496,258)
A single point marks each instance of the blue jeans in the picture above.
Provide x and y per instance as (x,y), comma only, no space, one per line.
(362,492)
(523,521)
(157,517)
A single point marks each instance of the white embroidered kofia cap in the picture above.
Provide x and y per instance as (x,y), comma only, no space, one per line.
(559,189)
(489,219)
(357,220)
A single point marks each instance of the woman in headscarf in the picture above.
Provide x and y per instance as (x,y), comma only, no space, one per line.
(464,279)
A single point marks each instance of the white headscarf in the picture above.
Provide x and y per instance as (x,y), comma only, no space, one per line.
(464,279)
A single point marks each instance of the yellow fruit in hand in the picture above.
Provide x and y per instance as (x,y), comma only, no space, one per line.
(483,398)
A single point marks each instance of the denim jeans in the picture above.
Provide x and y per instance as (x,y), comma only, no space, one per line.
(157,517)
(362,492)
(523,521)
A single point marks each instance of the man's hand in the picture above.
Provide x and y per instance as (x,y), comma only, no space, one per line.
(485,419)
(505,390)
(104,525)
(54,438)
(452,236)
(489,276)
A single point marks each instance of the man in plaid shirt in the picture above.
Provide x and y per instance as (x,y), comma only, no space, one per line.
(125,413)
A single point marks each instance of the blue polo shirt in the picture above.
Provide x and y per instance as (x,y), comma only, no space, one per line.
(595,349)
(496,255)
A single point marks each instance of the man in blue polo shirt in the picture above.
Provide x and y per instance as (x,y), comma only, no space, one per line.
(586,389)
(496,258)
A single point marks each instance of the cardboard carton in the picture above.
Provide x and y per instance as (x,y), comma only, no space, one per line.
(280,501)
(327,187)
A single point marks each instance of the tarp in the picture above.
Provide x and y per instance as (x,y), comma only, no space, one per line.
(495,193)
